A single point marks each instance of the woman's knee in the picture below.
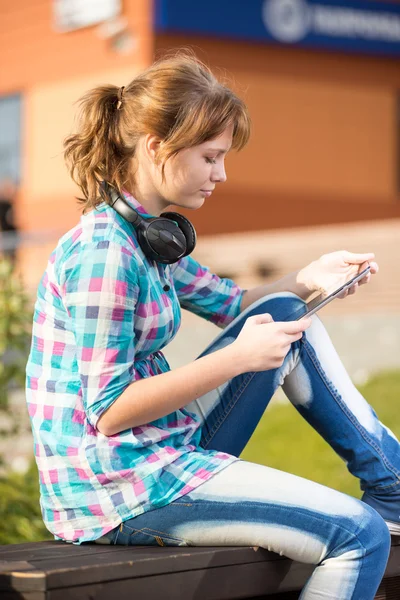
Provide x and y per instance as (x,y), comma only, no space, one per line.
(361,530)
(374,533)
(280,305)
(368,534)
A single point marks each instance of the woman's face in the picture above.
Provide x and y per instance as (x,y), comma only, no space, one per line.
(190,177)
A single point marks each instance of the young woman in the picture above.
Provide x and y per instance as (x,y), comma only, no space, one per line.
(132,452)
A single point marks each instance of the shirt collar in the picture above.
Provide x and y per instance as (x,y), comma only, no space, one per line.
(136,205)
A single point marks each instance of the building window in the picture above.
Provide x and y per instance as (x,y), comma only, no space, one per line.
(10,138)
(70,15)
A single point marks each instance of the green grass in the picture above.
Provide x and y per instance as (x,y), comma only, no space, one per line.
(284,440)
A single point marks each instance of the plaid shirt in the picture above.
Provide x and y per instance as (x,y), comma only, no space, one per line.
(101,320)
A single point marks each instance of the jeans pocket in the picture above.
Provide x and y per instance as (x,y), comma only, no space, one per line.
(148,537)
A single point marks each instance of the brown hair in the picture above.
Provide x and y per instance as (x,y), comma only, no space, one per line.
(177,99)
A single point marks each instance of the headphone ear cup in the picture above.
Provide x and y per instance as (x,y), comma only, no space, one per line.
(144,243)
(162,240)
(187,228)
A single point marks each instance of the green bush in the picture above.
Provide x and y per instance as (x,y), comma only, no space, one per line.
(20,516)
(15,331)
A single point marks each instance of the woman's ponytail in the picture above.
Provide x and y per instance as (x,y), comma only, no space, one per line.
(95,152)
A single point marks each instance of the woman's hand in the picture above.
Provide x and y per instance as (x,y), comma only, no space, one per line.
(332,270)
(262,344)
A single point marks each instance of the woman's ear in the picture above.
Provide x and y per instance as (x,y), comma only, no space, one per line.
(151,146)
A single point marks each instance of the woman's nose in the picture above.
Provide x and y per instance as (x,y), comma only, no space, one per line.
(219,174)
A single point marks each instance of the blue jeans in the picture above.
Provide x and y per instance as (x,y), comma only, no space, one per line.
(247,504)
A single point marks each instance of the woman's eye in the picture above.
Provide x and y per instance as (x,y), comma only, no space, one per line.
(211,160)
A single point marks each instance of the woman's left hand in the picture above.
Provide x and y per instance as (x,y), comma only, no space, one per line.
(332,270)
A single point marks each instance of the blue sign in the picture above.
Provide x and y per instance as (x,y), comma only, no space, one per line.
(355,26)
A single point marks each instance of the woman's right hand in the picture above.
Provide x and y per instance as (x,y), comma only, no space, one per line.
(263,343)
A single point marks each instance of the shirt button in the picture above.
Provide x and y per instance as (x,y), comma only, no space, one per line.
(166,288)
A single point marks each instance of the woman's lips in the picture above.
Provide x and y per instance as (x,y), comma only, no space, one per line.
(207,193)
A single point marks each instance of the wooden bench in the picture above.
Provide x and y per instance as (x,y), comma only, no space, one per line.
(58,571)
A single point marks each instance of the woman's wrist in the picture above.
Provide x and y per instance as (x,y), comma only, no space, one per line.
(304,279)
(233,360)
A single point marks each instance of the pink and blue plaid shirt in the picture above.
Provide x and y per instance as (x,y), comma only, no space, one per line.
(100,323)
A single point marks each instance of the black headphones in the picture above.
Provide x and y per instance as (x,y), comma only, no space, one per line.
(166,238)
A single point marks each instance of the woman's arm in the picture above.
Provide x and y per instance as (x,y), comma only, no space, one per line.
(295,282)
(204,293)
(148,399)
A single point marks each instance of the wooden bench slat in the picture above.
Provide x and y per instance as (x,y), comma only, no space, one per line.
(130,562)
(159,563)
(44,551)
(224,583)
(20,548)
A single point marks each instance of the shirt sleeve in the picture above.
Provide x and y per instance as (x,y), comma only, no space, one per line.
(204,293)
(99,287)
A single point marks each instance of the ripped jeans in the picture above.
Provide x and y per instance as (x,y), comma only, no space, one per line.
(247,504)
